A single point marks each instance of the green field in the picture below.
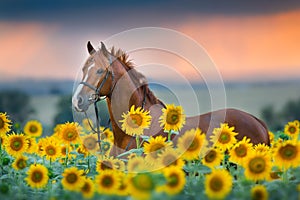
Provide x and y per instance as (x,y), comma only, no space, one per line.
(250,98)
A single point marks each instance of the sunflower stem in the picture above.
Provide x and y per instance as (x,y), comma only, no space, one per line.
(169,136)
(67,155)
(89,162)
(285,176)
(137,140)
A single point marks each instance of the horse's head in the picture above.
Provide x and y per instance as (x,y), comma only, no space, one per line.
(97,78)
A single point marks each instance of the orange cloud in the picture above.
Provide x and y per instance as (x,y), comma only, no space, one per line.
(250,47)
(20,44)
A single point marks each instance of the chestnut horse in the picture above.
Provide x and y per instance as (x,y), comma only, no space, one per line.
(111,75)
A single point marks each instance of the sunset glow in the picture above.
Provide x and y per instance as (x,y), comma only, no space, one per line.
(254,47)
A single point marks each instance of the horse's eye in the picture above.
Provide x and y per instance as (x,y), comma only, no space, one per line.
(100,71)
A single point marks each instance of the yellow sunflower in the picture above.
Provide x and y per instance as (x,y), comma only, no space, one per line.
(135,121)
(259,192)
(262,148)
(119,165)
(65,151)
(292,129)
(107,134)
(191,143)
(170,157)
(224,137)
(271,137)
(5,123)
(33,128)
(287,154)
(107,182)
(90,143)
(16,144)
(73,179)
(173,118)
(137,164)
(32,145)
(40,143)
(20,162)
(257,166)
(51,149)
(175,180)
(124,182)
(218,184)
(69,133)
(3,139)
(141,185)
(154,147)
(37,176)
(213,158)
(88,188)
(240,150)
(105,164)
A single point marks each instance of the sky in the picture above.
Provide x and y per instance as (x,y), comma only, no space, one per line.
(247,40)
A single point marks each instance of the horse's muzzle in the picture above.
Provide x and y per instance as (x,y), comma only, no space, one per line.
(80,103)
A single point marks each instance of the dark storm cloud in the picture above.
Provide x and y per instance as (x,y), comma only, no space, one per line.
(53,10)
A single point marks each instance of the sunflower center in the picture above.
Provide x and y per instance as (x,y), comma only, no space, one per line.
(106,165)
(257,165)
(107,181)
(71,178)
(1,123)
(292,129)
(50,151)
(258,194)
(37,176)
(86,187)
(21,164)
(241,151)
(90,143)
(224,137)
(70,135)
(216,184)
(193,145)
(105,146)
(288,152)
(135,120)
(173,180)
(211,156)
(143,182)
(156,149)
(64,151)
(172,117)
(33,129)
(16,145)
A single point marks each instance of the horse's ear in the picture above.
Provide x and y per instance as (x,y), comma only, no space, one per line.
(104,50)
(90,48)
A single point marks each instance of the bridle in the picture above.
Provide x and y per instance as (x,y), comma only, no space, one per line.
(96,97)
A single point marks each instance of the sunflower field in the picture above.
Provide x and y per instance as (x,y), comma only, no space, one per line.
(72,164)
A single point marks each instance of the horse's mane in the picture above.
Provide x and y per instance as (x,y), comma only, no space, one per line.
(137,77)
(122,56)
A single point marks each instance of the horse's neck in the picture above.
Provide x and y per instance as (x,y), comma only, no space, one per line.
(125,95)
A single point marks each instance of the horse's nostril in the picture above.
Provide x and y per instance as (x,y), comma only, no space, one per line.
(80,100)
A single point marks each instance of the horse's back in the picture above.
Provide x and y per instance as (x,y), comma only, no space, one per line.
(244,123)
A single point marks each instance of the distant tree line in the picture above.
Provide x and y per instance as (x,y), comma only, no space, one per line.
(277,119)
(16,104)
